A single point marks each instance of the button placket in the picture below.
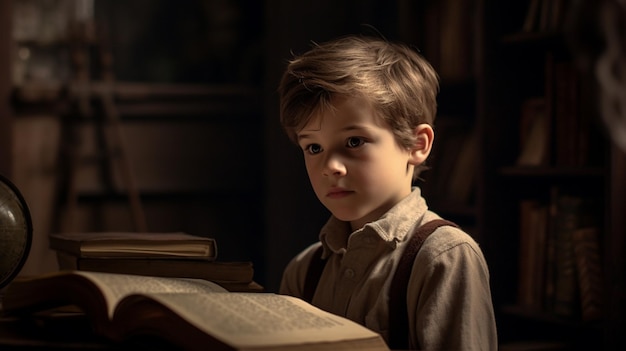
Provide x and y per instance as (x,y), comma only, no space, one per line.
(359,251)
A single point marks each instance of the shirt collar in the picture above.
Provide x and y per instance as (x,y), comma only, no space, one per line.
(392,227)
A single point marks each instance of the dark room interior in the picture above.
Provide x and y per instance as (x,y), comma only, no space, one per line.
(199,149)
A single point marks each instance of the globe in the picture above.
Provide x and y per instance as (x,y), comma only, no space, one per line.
(16,231)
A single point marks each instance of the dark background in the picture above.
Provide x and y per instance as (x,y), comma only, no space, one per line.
(200,121)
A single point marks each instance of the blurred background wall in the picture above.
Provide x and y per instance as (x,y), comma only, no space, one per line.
(195,90)
(191,85)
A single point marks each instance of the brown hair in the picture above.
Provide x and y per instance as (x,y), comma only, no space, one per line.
(399,83)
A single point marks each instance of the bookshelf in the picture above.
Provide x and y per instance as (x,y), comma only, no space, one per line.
(449,38)
(527,61)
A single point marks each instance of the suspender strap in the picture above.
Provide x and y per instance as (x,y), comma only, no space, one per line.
(398,309)
(313,274)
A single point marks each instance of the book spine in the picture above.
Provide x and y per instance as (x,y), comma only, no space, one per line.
(589,268)
(565,293)
(541,244)
(569,135)
(534,133)
(525,286)
(574,213)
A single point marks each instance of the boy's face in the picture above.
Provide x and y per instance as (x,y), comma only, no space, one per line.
(357,169)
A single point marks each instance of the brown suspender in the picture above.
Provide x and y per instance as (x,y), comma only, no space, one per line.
(398,310)
(313,274)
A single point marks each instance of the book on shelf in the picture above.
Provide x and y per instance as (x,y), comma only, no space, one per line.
(589,269)
(565,293)
(532,16)
(454,40)
(234,275)
(176,245)
(191,314)
(453,174)
(544,15)
(463,174)
(576,137)
(569,135)
(534,133)
(532,254)
(450,32)
(571,213)
(559,262)
(524,283)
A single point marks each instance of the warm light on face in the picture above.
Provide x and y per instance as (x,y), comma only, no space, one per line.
(356,167)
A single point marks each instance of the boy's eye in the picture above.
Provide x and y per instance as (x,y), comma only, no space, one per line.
(313,149)
(353,142)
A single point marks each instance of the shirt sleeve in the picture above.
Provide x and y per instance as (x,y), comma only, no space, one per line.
(450,298)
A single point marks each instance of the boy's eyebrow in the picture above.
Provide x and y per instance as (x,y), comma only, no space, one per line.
(354,127)
(344,129)
(302,136)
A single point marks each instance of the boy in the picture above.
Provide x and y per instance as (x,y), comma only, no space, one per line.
(362,111)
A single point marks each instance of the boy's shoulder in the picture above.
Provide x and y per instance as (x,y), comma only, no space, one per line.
(446,238)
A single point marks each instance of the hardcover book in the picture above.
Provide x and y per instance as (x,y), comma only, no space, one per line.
(223,271)
(135,245)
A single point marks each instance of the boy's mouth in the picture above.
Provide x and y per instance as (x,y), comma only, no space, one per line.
(337,193)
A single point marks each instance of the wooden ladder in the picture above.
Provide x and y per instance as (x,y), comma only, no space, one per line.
(93,102)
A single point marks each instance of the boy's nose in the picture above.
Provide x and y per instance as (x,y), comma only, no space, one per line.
(334,166)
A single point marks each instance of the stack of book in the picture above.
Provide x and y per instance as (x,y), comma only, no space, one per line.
(172,255)
(560,260)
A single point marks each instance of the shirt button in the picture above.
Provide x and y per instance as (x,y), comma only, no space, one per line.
(348,273)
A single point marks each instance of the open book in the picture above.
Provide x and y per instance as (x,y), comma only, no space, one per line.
(190,313)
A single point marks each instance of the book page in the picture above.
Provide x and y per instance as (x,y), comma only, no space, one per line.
(259,319)
(116,286)
(176,244)
(155,249)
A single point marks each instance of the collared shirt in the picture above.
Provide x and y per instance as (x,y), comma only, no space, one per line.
(448,296)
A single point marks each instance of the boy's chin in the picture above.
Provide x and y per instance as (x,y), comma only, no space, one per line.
(342,216)
(348,217)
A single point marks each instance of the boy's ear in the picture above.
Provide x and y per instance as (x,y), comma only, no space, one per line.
(424,137)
